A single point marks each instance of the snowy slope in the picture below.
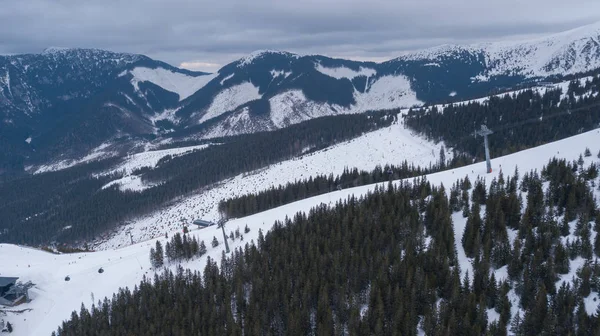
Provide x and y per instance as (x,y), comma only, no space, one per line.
(345,72)
(392,144)
(97,153)
(144,159)
(568,52)
(54,299)
(151,158)
(387,92)
(231,98)
(182,84)
(292,107)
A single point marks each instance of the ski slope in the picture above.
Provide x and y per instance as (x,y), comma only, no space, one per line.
(53,299)
(392,144)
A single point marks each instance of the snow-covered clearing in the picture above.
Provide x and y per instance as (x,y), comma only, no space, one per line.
(388,92)
(54,299)
(97,153)
(141,160)
(182,84)
(130,182)
(151,158)
(229,99)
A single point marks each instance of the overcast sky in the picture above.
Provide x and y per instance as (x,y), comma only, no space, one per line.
(204,35)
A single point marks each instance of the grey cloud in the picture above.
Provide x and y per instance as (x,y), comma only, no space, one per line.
(203,31)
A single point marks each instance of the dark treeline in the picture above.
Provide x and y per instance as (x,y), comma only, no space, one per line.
(252,151)
(176,249)
(78,201)
(249,204)
(388,264)
(519,121)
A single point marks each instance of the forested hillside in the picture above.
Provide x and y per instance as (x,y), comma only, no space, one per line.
(394,263)
(520,120)
(71,205)
(245,205)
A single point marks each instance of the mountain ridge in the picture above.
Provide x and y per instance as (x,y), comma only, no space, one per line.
(71,100)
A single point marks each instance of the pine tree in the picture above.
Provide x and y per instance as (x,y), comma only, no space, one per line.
(152,256)
(561,259)
(471,239)
(442,159)
(158,255)
(215,242)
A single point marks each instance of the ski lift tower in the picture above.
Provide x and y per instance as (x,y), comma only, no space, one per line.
(484,132)
(221,223)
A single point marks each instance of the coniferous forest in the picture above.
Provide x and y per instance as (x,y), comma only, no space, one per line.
(519,121)
(245,205)
(393,263)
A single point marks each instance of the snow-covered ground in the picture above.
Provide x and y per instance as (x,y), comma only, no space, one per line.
(151,158)
(141,160)
(54,298)
(182,84)
(541,89)
(562,53)
(344,72)
(97,153)
(231,98)
(392,144)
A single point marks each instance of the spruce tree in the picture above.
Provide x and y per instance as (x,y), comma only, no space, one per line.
(158,255)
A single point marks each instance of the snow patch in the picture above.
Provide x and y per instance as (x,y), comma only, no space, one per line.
(131,183)
(170,115)
(591,303)
(344,72)
(278,73)
(230,98)
(227,78)
(238,123)
(247,60)
(493,316)
(182,84)
(151,158)
(387,92)
(96,154)
(292,107)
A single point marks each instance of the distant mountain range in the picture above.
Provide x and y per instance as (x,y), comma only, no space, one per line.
(65,102)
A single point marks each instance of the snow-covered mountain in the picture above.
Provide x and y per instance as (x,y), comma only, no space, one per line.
(64,100)
(72,100)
